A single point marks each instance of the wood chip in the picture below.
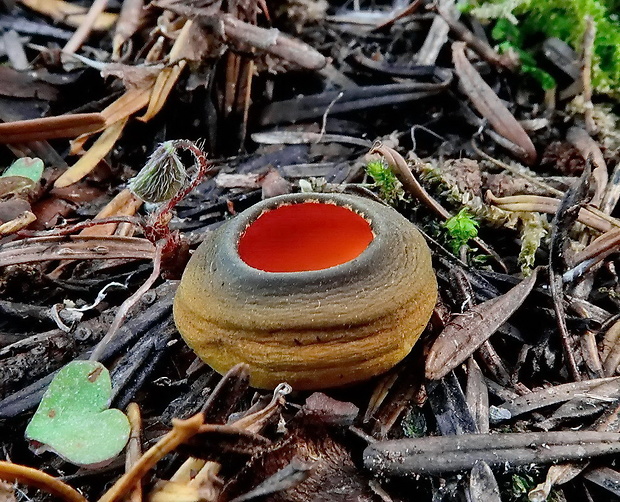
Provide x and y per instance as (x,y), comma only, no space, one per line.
(483,485)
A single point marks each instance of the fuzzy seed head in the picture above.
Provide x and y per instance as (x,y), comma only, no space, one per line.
(162,176)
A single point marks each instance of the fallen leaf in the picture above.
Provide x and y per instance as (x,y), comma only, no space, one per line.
(73,419)
(90,159)
(467,331)
(489,105)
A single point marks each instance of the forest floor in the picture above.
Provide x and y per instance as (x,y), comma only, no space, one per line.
(501,146)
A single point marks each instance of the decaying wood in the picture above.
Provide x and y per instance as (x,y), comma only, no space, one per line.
(560,474)
(554,395)
(438,455)
(273,42)
(39,249)
(477,396)
(566,215)
(606,478)
(449,407)
(584,405)
(482,484)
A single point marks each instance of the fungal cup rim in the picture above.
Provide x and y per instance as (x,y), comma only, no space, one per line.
(234,229)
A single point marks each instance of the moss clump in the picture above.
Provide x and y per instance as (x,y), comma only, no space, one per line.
(385,180)
(566,20)
(461,227)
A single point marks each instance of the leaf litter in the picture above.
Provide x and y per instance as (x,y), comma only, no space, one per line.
(292,97)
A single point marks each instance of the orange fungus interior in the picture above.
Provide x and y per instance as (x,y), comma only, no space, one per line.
(302,237)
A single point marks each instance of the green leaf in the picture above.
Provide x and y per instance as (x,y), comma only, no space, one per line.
(25,167)
(73,419)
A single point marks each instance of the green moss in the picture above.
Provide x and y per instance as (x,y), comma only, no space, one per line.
(389,187)
(461,227)
(533,230)
(564,19)
(414,424)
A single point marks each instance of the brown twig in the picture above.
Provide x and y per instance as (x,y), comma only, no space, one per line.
(63,126)
(127,305)
(412,186)
(484,50)
(15,473)
(586,74)
(271,41)
(134,448)
(405,457)
(182,430)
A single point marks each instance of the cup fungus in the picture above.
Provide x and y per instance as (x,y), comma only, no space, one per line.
(318,290)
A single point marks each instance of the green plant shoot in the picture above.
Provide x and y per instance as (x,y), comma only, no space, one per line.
(461,227)
(385,180)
